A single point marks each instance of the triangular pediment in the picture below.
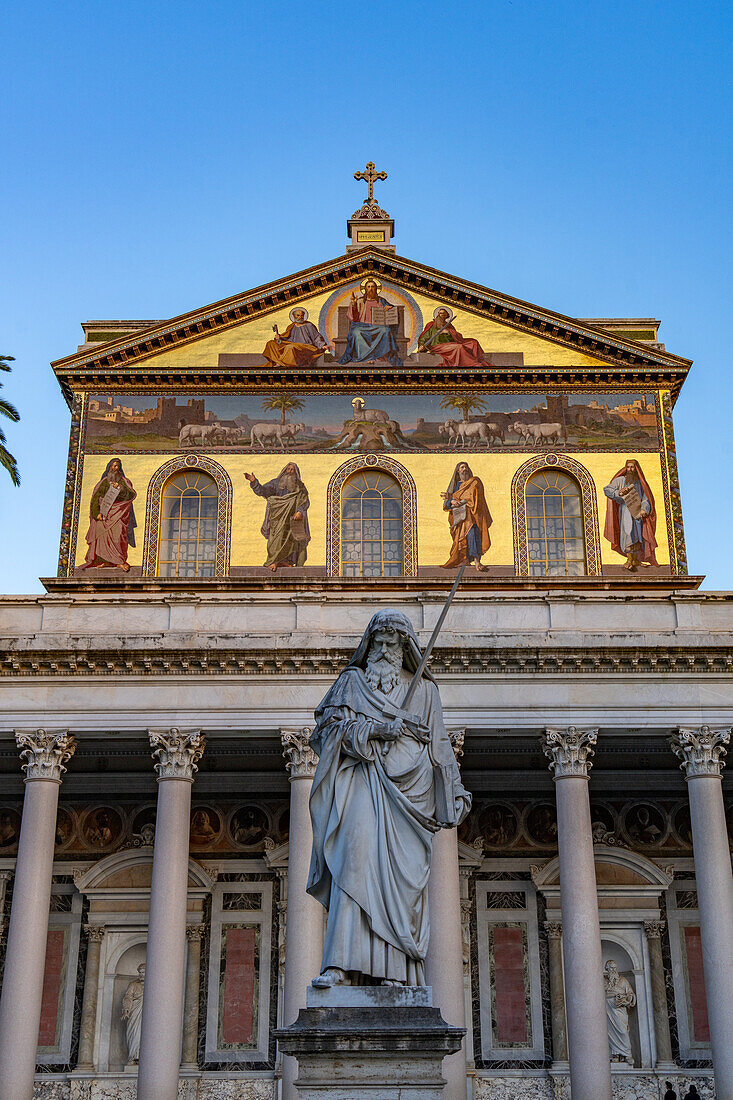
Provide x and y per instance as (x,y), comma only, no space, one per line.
(223,343)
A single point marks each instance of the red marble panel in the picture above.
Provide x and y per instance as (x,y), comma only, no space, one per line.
(696,985)
(509,986)
(53,982)
(238,993)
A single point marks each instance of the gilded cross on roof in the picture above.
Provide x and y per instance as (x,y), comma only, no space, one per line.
(370,175)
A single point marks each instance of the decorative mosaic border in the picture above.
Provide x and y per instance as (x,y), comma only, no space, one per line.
(223,517)
(409,510)
(590,510)
(671,481)
(72,489)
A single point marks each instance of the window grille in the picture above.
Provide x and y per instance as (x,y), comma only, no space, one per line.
(371,525)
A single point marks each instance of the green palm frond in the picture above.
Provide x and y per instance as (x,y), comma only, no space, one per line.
(283,404)
(8,463)
(466,403)
(6,409)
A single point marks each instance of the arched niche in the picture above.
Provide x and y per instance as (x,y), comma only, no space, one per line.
(118,890)
(629,890)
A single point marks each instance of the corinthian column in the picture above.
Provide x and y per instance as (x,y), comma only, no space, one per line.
(305,916)
(95,935)
(585,1002)
(45,753)
(177,753)
(653,930)
(444,961)
(557,992)
(189,1056)
(700,751)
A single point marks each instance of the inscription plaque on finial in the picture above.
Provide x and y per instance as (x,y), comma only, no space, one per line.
(370,224)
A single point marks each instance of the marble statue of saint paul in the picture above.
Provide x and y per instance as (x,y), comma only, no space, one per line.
(386,781)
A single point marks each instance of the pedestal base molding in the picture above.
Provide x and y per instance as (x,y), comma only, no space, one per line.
(366,1042)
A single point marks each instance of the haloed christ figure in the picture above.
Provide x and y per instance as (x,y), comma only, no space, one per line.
(386,781)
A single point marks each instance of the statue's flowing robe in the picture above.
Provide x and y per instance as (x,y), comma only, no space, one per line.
(617,1017)
(374,816)
(282,545)
(455,350)
(132,1006)
(365,340)
(298,346)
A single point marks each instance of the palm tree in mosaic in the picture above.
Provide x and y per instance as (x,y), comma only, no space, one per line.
(6,459)
(466,403)
(283,404)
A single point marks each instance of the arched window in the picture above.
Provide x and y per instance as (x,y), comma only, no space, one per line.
(188,525)
(555,519)
(371,525)
(184,495)
(555,538)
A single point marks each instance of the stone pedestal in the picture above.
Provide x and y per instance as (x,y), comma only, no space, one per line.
(359,1042)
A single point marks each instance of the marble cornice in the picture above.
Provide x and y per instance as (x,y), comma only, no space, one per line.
(473,659)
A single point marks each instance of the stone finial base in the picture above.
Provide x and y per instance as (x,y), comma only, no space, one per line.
(366,1041)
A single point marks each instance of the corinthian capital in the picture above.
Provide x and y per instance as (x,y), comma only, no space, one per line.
(45,752)
(700,749)
(569,750)
(177,752)
(457,737)
(653,929)
(300,759)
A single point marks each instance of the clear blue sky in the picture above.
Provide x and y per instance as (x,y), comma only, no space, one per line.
(159,156)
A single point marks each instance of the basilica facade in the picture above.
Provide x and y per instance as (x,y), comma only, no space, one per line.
(247,484)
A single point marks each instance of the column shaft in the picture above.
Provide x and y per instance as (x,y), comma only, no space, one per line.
(189,1056)
(305,919)
(585,1001)
(95,935)
(444,961)
(715,902)
(557,993)
(653,931)
(25,958)
(160,1043)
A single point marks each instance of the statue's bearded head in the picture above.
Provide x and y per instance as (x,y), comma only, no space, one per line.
(611,971)
(141,971)
(370,290)
(384,660)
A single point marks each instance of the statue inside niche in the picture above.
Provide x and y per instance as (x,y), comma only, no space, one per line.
(132,1013)
(620,997)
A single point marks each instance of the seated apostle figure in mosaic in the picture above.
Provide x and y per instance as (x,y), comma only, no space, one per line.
(386,781)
